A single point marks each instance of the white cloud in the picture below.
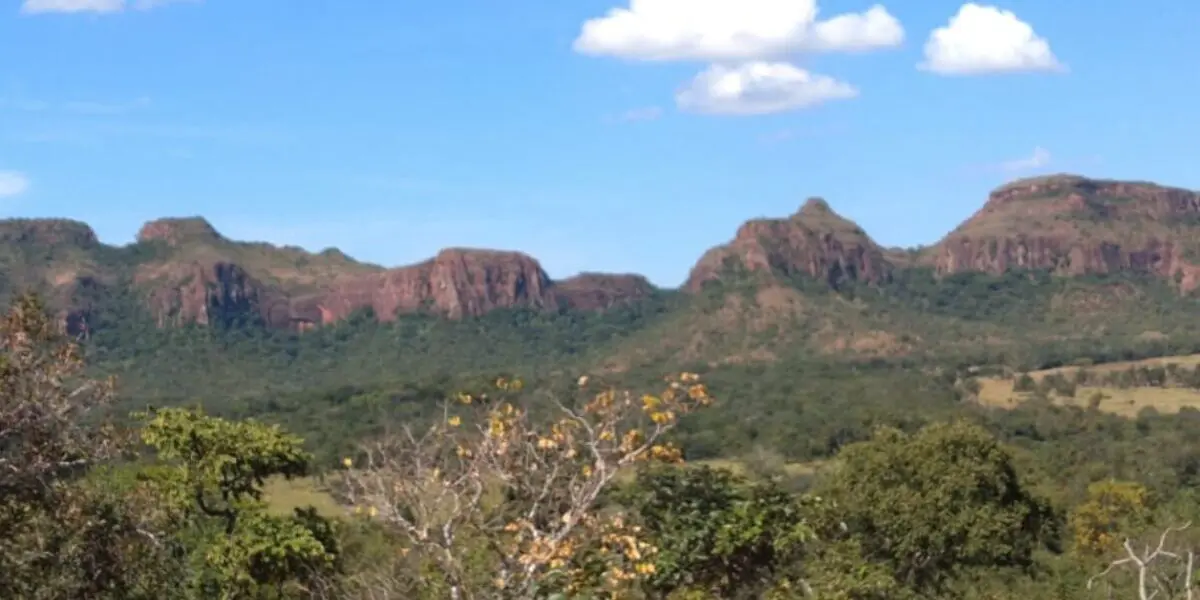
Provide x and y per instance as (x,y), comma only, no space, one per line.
(34,7)
(984,39)
(13,183)
(722,30)
(759,88)
(1038,159)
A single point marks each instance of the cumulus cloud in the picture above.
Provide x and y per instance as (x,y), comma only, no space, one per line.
(759,88)
(725,30)
(1038,159)
(12,184)
(983,39)
(34,7)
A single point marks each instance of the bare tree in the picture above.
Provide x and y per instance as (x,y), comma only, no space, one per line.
(503,504)
(61,535)
(1153,569)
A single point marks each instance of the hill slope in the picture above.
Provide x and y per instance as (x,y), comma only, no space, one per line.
(1048,267)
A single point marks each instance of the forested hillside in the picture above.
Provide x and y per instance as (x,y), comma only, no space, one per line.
(838,420)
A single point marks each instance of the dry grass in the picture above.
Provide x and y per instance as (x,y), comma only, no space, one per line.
(284,496)
(738,467)
(1126,402)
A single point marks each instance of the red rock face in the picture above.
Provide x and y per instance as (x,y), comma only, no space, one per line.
(176,231)
(1077,226)
(1069,224)
(597,291)
(455,284)
(814,242)
(209,293)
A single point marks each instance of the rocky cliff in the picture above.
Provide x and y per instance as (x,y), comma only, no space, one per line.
(815,241)
(1074,226)
(185,271)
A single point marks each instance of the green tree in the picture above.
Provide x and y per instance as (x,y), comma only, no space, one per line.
(1024,383)
(1113,510)
(717,532)
(63,533)
(210,476)
(931,504)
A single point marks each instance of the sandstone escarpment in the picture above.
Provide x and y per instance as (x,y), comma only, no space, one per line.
(600,291)
(210,293)
(456,283)
(815,242)
(179,231)
(47,233)
(1075,226)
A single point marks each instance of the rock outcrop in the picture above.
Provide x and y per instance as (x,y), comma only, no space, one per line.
(455,284)
(187,272)
(47,232)
(601,291)
(211,293)
(1075,226)
(179,231)
(816,242)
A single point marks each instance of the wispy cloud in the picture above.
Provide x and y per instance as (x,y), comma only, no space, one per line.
(23,104)
(644,113)
(75,107)
(98,134)
(103,7)
(13,184)
(780,136)
(91,107)
(1036,160)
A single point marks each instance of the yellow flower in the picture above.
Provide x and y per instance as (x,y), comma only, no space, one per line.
(649,402)
(346,462)
(372,511)
(454,421)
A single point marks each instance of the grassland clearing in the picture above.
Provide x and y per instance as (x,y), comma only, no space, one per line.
(283,496)
(1124,401)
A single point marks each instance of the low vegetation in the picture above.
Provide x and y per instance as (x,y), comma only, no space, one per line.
(850,481)
(1165,385)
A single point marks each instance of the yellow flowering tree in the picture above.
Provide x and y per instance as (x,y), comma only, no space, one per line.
(523,487)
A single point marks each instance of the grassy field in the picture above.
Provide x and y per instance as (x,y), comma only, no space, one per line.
(1122,401)
(284,496)
(739,467)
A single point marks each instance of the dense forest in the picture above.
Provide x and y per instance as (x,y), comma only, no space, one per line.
(482,458)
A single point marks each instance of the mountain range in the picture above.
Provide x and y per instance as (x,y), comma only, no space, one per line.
(1076,256)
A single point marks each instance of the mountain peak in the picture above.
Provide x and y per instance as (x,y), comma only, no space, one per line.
(47,231)
(815,206)
(815,241)
(1077,225)
(176,231)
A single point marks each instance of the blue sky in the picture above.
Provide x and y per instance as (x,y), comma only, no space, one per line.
(392,129)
